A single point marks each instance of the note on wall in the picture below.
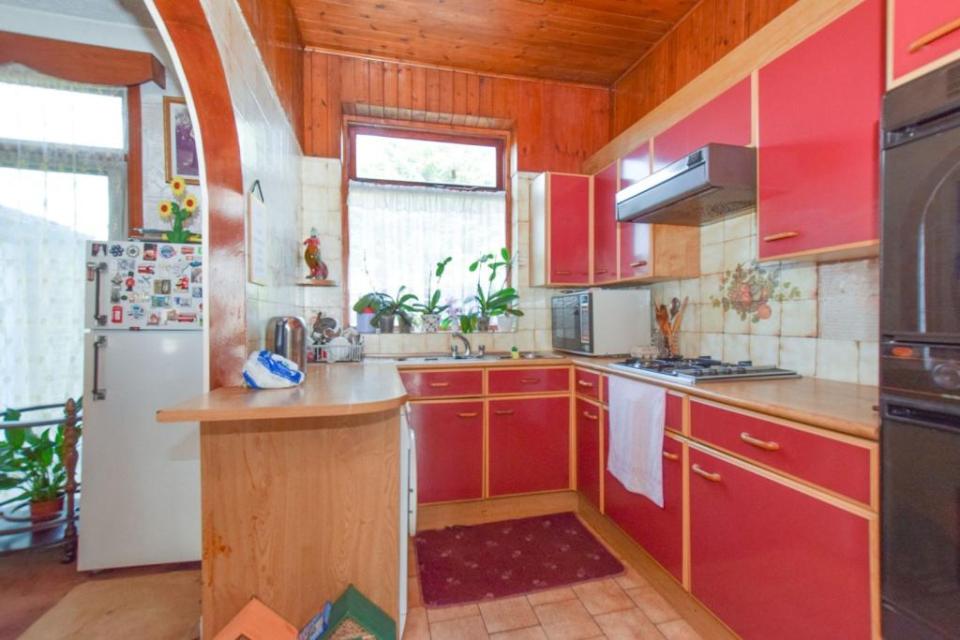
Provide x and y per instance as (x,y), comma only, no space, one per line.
(258,238)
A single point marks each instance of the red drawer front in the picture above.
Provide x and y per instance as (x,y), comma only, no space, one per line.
(773,562)
(835,465)
(586,383)
(588,450)
(528,380)
(674,412)
(449,438)
(911,20)
(437,384)
(529,445)
(659,531)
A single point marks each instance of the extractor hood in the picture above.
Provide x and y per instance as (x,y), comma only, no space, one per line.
(713,182)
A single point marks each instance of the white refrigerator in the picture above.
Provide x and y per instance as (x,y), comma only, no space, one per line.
(143,350)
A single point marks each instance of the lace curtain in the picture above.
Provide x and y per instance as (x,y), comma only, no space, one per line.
(398,234)
(54,196)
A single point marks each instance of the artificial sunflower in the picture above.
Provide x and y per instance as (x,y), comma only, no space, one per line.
(190,203)
(166,210)
(178,185)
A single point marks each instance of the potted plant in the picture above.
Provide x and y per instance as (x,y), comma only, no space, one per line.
(393,306)
(33,462)
(431,309)
(367,307)
(494,302)
(178,211)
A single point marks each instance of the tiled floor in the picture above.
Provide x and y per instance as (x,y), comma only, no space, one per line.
(623,608)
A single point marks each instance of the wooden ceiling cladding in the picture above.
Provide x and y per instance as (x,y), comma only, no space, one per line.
(588,41)
(706,34)
(556,126)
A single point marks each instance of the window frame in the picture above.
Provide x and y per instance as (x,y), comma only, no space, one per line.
(430,136)
(350,124)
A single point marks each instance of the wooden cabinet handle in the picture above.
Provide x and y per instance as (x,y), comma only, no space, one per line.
(766,445)
(503,412)
(584,383)
(712,477)
(781,236)
(601,271)
(589,416)
(562,273)
(439,385)
(638,264)
(670,456)
(468,414)
(529,380)
(933,36)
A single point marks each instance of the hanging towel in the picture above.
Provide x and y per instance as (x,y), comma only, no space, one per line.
(635,458)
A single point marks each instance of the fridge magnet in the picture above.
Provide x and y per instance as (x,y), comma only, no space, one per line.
(145,270)
(154,319)
(186,251)
(183,283)
(183,302)
(161,287)
(311,255)
(196,275)
(115,294)
(136,312)
(187,317)
(116,250)
(129,281)
(150,251)
(180,145)
(116,314)
(160,302)
(167,252)
(133,250)
(126,265)
(98,249)
(117,279)
(172,315)
(198,292)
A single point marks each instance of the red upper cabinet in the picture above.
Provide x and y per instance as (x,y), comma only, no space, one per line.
(529,445)
(636,240)
(725,119)
(772,561)
(910,21)
(605,238)
(589,461)
(560,229)
(449,441)
(635,166)
(819,148)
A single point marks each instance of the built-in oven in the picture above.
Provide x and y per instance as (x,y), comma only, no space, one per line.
(920,359)
(601,322)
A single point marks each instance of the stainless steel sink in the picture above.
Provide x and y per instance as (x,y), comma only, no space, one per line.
(416,359)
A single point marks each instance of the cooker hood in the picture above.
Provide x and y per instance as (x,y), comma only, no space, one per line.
(713,182)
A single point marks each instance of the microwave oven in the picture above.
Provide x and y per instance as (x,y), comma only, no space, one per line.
(601,322)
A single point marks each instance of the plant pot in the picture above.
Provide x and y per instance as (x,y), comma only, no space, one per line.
(431,322)
(404,323)
(387,323)
(506,323)
(46,509)
(483,323)
(365,322)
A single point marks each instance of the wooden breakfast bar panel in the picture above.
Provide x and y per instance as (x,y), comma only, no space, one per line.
(294,510)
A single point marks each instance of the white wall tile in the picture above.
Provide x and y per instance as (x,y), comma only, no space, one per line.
(736,347)
(838,360)
(764,350)
(799,318)
(869,366)
(799,354)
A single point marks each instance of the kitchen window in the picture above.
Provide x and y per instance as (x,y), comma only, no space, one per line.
(415,198)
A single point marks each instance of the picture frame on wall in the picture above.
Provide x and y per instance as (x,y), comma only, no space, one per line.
(179,143)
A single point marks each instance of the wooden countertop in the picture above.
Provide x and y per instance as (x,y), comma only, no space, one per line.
(837,406)
(337,390)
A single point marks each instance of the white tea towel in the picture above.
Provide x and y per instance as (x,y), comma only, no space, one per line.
(637,415)
(266,370)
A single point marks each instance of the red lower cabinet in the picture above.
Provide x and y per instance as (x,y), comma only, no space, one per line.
(774,562)
(529,445)
(449,450)
(588,450)
(659,531)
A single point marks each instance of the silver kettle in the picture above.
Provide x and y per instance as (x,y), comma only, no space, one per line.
(287,336)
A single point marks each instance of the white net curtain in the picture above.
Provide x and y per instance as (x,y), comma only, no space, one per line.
(399,233)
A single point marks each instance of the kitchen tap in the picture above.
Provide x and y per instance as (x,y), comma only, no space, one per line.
(466,345)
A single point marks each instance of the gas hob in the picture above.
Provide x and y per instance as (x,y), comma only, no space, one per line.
(701,370)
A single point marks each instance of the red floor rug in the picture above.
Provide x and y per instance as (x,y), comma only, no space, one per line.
(481,562)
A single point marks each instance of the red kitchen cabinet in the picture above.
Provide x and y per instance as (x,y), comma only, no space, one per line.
(444,383)
(910,21)
(589,460)
(725,119)
(528,380)
(775,562)
(605,239)
(635,166)
(449,439)
(658,531)
(529,445)
(819,152)
(561,218)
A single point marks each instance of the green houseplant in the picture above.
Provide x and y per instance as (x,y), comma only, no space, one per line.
(392,306)
(431,309)
(491,301)
(367,307)
(33,462)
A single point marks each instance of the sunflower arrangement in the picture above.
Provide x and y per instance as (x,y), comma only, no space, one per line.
(178,210)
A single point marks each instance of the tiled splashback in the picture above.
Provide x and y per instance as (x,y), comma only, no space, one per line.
(322,210)
(821,320)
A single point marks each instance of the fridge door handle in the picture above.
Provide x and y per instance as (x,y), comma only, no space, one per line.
(97,392)
(93,273)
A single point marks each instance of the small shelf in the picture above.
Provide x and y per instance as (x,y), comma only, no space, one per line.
(316,283)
